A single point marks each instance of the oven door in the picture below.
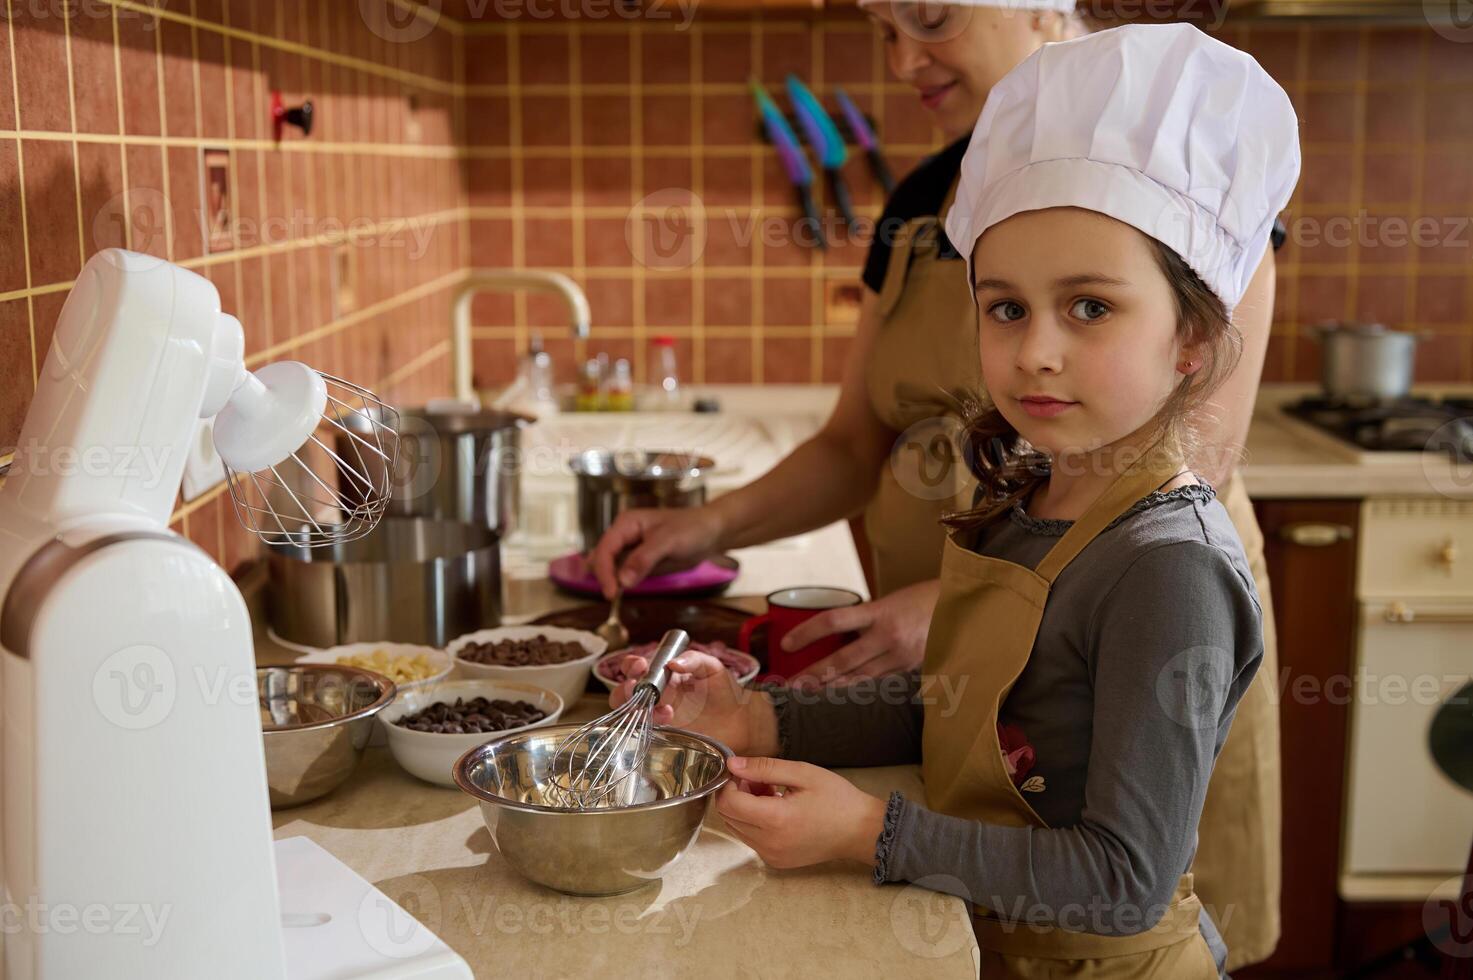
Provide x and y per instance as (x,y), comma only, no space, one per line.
(1408,827)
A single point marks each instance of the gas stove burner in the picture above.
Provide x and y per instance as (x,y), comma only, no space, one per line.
(1405,425)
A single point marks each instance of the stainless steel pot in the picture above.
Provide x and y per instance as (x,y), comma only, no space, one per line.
(1366,362)
(610,483)
(457,463)
(411,580)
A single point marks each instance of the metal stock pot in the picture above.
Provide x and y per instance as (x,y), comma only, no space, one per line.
(610,483)
(1366,362)
(410,580)
(457,462)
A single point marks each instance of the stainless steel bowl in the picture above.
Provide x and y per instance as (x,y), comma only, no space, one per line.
(411,580)
(594,852)
(316,719)
(610,483)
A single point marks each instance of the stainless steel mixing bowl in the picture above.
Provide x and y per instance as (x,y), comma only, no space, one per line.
(411,580)
(594,852)
(316,719)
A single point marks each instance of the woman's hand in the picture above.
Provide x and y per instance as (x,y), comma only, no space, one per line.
(685,533)
(820,816)
(892,637)
(703,696)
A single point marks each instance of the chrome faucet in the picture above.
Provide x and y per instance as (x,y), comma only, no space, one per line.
(506,280)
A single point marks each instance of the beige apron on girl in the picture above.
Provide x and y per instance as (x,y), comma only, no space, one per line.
(962,760)
(926,345)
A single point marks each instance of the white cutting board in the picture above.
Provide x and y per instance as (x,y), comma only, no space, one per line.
(337,926)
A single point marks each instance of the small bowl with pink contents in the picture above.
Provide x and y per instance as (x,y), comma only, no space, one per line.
(609,668)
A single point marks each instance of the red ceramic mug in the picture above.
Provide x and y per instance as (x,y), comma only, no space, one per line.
(786,609)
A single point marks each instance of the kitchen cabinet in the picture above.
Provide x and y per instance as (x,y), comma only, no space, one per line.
(1310,547)
(1314,550)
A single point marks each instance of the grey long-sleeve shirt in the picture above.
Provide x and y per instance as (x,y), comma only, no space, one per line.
(1148,641)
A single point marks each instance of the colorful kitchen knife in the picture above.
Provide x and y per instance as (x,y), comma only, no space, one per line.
(790,152)
(793,159)
(827,144)
(865,137)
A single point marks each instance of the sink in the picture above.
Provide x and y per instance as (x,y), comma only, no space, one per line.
(743,446)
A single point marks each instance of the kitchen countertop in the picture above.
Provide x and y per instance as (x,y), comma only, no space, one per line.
(823,557)
(1284,457)
(1288,458)
(428,849)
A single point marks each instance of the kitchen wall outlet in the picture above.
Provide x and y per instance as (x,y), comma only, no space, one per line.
(413,128)
(841,301)
(204,468)
(215,201)
(344,280)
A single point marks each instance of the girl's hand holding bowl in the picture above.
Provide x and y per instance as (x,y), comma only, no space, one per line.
(819,816)
(702,695)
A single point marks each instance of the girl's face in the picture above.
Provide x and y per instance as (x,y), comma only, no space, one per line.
(953,55)
(1077,328)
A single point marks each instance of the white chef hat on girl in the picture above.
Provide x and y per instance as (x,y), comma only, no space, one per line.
(1062,6)
(1157,125)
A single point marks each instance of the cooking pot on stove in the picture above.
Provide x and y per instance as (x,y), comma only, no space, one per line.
(1366,362)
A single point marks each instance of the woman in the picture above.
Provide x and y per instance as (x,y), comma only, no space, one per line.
(915,342)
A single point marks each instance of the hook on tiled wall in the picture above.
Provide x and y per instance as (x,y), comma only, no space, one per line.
(299,116)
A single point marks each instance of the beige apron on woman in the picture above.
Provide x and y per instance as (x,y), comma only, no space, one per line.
(925,350)
(926,346)
(1239,862)
(985,625)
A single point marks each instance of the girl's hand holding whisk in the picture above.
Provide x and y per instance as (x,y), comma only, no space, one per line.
(702,696)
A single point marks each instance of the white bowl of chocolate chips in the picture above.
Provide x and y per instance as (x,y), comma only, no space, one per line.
(429,728)
(553,657)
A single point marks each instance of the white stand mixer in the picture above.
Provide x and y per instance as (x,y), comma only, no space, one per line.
(137,832)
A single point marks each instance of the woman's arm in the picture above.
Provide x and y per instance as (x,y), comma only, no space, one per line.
(827,478)
(1167,676)
(1224,425)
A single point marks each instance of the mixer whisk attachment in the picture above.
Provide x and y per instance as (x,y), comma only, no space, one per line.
(308,457)
(593,766)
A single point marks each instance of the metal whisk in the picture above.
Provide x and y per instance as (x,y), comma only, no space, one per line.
(591,765)
(309,457)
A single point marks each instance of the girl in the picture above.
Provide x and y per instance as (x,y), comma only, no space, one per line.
(1114,202)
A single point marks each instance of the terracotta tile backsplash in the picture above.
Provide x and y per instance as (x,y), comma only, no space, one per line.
(572,124)
(117,105)
(587,147)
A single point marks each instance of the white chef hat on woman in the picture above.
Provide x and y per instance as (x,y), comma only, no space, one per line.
(1157,125)
(1062,6)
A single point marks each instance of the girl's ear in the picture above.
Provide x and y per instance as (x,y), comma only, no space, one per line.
(1050,25)
(1189,360)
